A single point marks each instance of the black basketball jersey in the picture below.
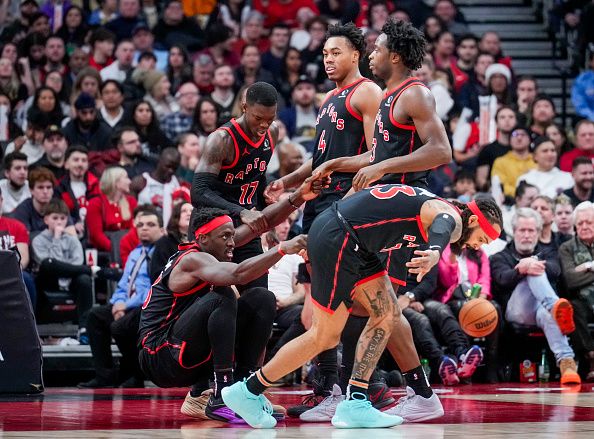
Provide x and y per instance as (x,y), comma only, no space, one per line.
(339,133)
(241,180)
(394,139)
(162,306)
(386,217)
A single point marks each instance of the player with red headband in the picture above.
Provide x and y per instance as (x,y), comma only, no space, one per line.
(190,319)
(343,248)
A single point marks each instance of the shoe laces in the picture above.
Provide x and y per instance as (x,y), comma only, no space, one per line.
(329,400)
(266,405)
(360,401)
(312,399)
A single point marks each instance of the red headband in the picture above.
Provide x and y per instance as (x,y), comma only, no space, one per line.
(212,224)
(483,222)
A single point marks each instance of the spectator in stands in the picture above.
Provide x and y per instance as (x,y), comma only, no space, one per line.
(223,94)
(525,195)
(106,12)
(167,245)
(312,56)
(131,160)
(505,120)
(557,134)
(290,158)
(548,239)
(30,143)
(281,11)
(10,83)
(564,217)
(272,59)
(524,276)
(11,129)
(144,40)
(449,14)
(491,43)
(87,81)
(22,22)
(179,68)
(102,42)
(577,268)
(121,68)
(443,99)
(542,114)
(549,179)
(46,106)
(300,117)
(111,210)
(584,144)
(476,85)
(250,69)
(206,116)
(219,41)
(14,235)
(190,150)
(516,162)
(180,122)
(54,56)
(60,258)
(252,33)
(432,27)
(144,121)
(130,240)
(112,96)
(74,31)
(87,128)
(14,186)
(467,52)
(444,50)
(583,176)
(78,60)
(202,73)
(173,28)
(30,211)
(120,318)
(129,15)
(54,145)
(498,78)
(157,88)
(526,92)
(78,186)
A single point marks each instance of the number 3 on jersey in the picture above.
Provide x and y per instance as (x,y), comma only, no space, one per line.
(322,142)
(244,191)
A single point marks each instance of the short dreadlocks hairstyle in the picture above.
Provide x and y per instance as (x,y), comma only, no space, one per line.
(406,41)
(352,33)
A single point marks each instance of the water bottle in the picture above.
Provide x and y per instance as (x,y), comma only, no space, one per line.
(426,367)
(544,372)
(475,292)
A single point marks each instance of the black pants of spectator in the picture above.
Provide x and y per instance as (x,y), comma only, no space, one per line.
(424,339)
(289,321)
(446,326)
(101,327)
(582,314)
(81,287)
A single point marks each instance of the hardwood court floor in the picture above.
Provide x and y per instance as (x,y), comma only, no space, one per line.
(472,411)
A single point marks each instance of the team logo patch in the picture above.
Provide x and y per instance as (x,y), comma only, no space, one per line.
(389,101)
(343,94)
(266,145)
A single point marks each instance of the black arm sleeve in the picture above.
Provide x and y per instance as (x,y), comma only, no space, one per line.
(205,194)
(440,231)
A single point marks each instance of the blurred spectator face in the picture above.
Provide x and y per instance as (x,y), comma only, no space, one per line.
(41,25)
(379,15)
(338,57)
(35,134)
(129,144)
(553,133)
(112,97)
(223,77)
(251,58)
(54,50)
(520,140)
(282,230)
(86,117)
(544,209)
(9,51)
(46,101)
(147,63)
(584,225)
(148,229)
(498,83)
(506,120)
(55,147)
(129,8)
(203,73)
(304,94)
(482,63)
(28,9)
(42,191)
(125,54)
(54,81)
(190,148)
(583,176)
(104,47)
(467,50)
(526,91)
(55,220)
(290,158)
(73,18)
(173,13)
(208,116)
(584,137)
(543,112)
(184,217)
(187,96)
(253,29)
(293,61)
(162,88)
(527,198)
(143,114)
(6,102)
(545,156)
(176,57)
(445,46)
(317,31)
(143,40)
(110,5)
(279,38)
(490,43)
(6,69)
(78,60)
(17,174)
(401,16)
(370,38)
(465,186)
(77,164)
(89,85)
(123,184)
(432,27)
(563,218)
(425,73)
(526,235)
(445,10)
(167,166)
(36,52)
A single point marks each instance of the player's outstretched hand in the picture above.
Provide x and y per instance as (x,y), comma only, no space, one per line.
(273,191)
(313,185)
(325,169)
(295,245)
(423,263)
(366,176)
(255,220)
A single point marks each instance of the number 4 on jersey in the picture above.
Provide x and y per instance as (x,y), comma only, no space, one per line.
(322,142)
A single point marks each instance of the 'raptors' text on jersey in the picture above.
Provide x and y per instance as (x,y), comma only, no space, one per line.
(243,181)
(394,139)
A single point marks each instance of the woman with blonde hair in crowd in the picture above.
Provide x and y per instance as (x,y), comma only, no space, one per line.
(112,209)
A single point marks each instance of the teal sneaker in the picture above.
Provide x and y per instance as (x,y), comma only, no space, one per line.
(255,410)
(359,413)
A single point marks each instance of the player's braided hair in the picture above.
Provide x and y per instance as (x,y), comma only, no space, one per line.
(406,41)
(200,217)
(488,207)
(352,33)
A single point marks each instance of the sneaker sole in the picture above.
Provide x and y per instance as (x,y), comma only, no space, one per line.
(428,417)
(562,307)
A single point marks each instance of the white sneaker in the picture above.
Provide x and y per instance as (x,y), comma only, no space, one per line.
(415,408)
(326,409)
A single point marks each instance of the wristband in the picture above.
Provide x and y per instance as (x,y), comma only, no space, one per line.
(291,203)
(280,250)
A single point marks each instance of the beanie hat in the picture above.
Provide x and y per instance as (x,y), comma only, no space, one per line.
(150,79)
(84,101)
(500,69)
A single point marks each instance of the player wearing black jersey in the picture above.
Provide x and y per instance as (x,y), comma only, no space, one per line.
(188,322)
(343,245)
